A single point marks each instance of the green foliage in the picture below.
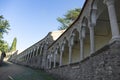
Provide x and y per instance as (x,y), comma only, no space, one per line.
(13,46)
(68,18)
(4,27)
(3,46)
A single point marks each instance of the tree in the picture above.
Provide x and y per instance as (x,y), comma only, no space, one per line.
(4,27)
(3,46)
(68,18)
(13,46)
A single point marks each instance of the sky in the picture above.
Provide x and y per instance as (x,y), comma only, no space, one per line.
(31,20)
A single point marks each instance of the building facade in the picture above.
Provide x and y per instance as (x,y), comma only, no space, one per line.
(87,50)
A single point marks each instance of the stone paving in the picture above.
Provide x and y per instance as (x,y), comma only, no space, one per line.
(9,71)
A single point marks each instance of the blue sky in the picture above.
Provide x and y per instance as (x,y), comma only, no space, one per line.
(31,20)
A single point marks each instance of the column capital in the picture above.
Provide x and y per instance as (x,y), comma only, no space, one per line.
(109,2)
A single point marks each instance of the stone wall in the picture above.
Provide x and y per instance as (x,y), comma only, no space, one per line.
(104,64)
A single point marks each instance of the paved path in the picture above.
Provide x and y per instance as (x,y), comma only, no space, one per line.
(9,71)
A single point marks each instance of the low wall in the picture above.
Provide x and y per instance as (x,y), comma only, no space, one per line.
(104,64)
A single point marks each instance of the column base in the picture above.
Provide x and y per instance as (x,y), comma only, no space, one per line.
(115,38)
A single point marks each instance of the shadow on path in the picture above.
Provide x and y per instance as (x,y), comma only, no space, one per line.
(9,71)
(4,64)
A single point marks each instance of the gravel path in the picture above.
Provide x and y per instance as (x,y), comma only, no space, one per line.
(9,71)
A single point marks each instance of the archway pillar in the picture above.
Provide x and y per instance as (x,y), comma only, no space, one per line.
(61,55)
(27,58)
(41,50)
(50,62)
(37,52)
(47,63)
(81,49)
(70,54)
(82,37)
(92,39)
(113,19)
(70,48)
(55,58)
(34,52)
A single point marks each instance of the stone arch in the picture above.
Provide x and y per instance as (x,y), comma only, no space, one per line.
(85,38)
(93,12)
(39,50)
(32,53)
(57,52)
(48,62)
(75,46)
(97,7)
(65,56)
(35,56)
(42,49)
(39,56)
(28,56)
(35,51)
(100,22)
(52,58)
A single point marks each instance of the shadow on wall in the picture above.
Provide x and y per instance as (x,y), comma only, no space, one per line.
(3,55)
(12,56)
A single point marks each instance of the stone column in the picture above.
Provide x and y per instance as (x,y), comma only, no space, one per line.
(70,54)
(30,55)
(41,50)
(48,59)
(113,20)
(36,52)
(40,57)
(70,48)
(61,53)
(28,58)
(50,65)
(82,37)
(92,40)
(25,59)
(81,49)
(47,63)
(55,58)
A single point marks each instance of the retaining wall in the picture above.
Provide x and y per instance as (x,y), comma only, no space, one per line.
(104,64)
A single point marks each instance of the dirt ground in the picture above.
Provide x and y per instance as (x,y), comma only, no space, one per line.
(9,71)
